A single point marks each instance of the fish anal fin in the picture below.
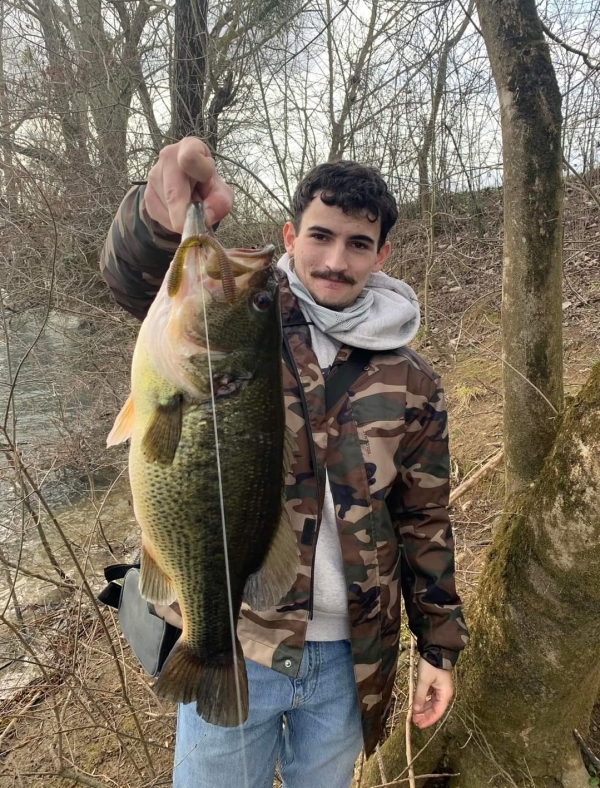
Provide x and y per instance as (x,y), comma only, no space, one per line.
(123,426)
(155,586)
(278,571)
(161,439)
(186,678)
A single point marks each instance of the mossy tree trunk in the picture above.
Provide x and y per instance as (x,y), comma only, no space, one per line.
(531,673)
(530,109)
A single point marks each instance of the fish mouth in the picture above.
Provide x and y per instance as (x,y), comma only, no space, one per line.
(237,262)
(224,273)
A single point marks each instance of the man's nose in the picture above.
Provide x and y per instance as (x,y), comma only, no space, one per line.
(336,258)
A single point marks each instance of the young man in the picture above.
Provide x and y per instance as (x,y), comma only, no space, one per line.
(369,495)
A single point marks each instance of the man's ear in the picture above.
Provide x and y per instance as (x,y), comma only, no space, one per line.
(382,256)
(289,237)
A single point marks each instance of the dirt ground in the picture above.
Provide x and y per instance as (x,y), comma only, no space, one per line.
(90,705)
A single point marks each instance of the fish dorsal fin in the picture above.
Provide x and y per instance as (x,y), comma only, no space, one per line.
(123,426)
(161,439)
(279,569)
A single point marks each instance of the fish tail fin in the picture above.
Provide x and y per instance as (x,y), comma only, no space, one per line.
(185,678)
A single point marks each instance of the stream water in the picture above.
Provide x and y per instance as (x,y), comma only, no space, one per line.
(47,404)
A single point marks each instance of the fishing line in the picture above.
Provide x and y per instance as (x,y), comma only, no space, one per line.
(238,690)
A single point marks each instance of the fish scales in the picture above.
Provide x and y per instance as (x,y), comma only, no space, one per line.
(173,461)
(194,534)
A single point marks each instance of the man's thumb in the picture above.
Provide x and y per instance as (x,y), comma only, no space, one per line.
(420,696)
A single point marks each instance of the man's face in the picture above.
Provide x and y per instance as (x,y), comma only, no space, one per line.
(334,253)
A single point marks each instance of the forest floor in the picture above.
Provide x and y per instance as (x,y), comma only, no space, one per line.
(76,709)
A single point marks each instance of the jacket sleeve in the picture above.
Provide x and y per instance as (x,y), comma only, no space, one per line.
(419,508)
(136,255)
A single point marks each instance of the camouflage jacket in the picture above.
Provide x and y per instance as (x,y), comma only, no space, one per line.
(385,446)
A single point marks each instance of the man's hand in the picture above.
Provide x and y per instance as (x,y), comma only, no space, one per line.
(432,695)
(170,613)
(186,171)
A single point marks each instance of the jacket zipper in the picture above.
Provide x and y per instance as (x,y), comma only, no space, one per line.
(313,457)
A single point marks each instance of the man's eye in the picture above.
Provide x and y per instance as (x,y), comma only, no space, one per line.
(319,236)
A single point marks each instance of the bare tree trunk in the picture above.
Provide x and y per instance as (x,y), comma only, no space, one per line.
(339,135)
(67,99)
(8,190)
(223,97)
(110,94)
(191,42)
(530,106)
(438,92)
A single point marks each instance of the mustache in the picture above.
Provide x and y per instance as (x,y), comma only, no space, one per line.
(327,274)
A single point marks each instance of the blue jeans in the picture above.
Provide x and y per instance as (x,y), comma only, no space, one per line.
(309,725)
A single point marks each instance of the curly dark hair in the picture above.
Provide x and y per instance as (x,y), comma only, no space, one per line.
(352,187)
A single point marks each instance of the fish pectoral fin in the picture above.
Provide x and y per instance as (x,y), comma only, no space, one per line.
(155,586)
(160,442)
(278,571)
(123,426)
(186,677)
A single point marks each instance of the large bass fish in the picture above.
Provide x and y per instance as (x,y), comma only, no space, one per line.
(209,351)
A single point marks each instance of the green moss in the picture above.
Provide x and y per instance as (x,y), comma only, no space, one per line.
(557,478)
(92,755)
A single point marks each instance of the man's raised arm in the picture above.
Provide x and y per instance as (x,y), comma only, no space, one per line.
(147,228)
(136,254)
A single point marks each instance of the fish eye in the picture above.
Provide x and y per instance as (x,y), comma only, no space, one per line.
(261,301)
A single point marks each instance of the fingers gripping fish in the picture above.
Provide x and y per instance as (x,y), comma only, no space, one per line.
(217,313)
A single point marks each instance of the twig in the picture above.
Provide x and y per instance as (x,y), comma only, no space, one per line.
(29,573)
(417,777)
(427,743)
(41,667)
(257,179)
(361,766)
(13,383)
(15,460)
(320,33)
(411,695)
(569,48)
(582,180)
(69,774)
(381,764)
(483,471)
(13,721)
(586,750)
